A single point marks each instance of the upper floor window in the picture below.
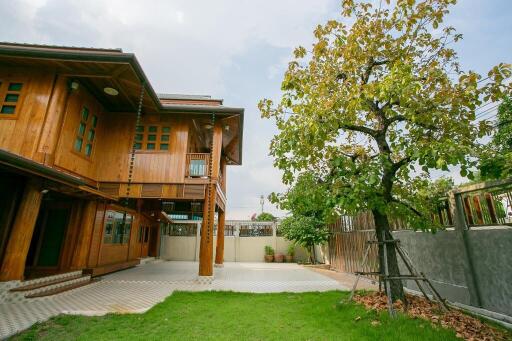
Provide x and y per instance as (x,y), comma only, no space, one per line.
(152,137)
(10,98)
(86,132)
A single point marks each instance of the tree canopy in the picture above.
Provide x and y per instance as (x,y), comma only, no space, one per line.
(265,216)
(496,163)
(377,104)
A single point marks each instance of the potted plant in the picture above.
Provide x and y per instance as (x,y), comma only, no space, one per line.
(290,253)
(279,258)
(269,254)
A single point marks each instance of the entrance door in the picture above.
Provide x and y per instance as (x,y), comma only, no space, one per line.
(47,241)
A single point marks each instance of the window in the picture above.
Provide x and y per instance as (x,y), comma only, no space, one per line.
(86,133)
(152,137)
(117,227)
(10,98)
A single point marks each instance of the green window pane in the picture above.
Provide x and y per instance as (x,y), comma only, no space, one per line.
(138,137)
(137,145)
(8,109)
(85,114)
(15,86)
(90,135)
(151,137)
(166,130)
(150,146)
(152,129)
(88,149)
(81,129)
(164,146)
(139,129)
(164,138)
(11,98)
(94,121)
(78,144)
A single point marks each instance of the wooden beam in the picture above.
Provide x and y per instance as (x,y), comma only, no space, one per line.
(13,265)
(219,253)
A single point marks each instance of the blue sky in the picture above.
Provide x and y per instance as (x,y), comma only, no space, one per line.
(232,49)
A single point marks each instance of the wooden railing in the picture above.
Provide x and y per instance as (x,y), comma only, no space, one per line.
(197,165)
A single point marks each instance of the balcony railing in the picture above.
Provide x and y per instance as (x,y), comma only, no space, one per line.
(197,165)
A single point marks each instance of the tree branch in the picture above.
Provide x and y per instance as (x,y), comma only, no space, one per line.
(415,211)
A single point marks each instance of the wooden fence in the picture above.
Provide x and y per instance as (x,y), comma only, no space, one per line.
(347,243)
(482,204)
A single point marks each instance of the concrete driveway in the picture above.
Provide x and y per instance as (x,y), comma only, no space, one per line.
(138,289)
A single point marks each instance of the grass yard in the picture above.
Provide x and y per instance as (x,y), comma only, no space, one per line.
(240,316)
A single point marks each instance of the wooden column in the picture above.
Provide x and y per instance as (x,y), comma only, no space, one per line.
(13,265)
(86,228)
(219,253)
(206,245)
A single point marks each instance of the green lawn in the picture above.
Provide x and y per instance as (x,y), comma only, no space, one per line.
(240,316)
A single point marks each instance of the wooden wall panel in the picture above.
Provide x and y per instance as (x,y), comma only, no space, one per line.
(21,135)
(150,167)
(113,253)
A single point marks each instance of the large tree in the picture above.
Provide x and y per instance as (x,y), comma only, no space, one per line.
(378,102)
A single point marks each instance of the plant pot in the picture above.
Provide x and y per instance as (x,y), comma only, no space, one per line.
(269,258)
(278,258)
(289,259)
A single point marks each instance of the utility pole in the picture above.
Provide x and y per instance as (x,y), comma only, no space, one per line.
(262,202)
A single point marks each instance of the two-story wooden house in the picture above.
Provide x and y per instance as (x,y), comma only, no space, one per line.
(92,160)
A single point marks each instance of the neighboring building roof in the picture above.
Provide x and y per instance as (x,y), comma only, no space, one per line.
(183,96)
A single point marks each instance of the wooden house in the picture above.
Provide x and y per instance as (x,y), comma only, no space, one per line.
(93,160)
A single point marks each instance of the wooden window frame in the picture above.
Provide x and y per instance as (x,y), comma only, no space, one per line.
(125,237)
(4,91)
(88,126)
(158,138)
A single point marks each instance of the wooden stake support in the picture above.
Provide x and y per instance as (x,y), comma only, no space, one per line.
(418,277)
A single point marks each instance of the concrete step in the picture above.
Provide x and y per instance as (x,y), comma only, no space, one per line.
(47,286)
(146,260)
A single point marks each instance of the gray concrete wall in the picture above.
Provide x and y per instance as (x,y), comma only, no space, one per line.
(440,257)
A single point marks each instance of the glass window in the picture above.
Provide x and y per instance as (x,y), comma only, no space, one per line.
(152,129)
(139,137)
(11,98)
(137,145)
(150,146)
(81,129)
(139,129)
(166,130)
(90,136)
(151,137)
(78,144)
(88,149)
(15,86)
(8,109)
(164,146)
(94,121)
(85,114)
(164,138)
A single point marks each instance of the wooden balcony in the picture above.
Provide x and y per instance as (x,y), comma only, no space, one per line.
(197,165)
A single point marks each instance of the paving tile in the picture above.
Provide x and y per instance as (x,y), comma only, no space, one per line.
(138,289)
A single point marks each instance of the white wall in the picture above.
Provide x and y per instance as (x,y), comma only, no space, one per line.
(236,249)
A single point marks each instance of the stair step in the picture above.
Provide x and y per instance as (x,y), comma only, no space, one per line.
(47,283)
(59,290)
(51,278)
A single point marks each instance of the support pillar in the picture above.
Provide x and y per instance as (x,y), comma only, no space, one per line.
(13,265)
(219,253)
(206,246)
(83,243)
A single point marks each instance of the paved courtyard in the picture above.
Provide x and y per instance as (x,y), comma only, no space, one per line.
(138,289)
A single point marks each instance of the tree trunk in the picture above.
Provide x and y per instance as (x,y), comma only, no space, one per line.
(382,224)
